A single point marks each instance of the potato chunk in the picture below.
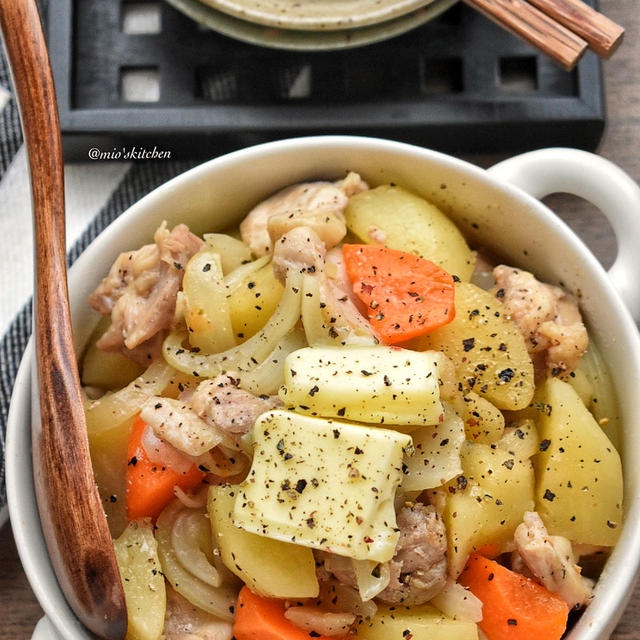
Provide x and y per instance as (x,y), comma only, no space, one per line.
(520,438)
(108,449)
(270,568)
(487,502)
(578,471)
(142,579)
(483,422)
(324,484)
(398,219)
(425,621)
(106,369)
(487,349)
(436,457)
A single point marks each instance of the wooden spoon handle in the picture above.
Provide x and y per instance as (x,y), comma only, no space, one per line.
(71,512)
(603,35)
(535,27)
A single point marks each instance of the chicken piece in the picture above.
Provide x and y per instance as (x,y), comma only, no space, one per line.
(127,266)
(162,453)
(547,316)
(140,292)
(528,301)
(230,410)
(184,621)
(550,560)
(419,567)
(301,251)
(567,344)
(329,225)
(319,205)
(175,422)
(352,185)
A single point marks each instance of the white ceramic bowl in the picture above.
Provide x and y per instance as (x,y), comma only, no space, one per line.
(489,209)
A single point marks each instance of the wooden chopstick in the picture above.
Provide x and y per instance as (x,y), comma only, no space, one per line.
(562,29)
(603,35)
(535,27)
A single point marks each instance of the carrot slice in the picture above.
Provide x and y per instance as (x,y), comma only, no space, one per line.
(149,484)
(259,618)
(513,607)
(489,550)
(405,295)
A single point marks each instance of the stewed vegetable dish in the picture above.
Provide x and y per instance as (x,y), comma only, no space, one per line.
(338,420)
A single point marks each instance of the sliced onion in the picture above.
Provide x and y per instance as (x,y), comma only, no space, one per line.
(458,603)
(223,462)
(324,623)
(237,276)
(233,252)
(191,532)
(114,408)
(218,601)
(370,584)
(325,323)
(249,354)
(336,564)
(206,307)
(605,406)
(191,500)
(338,597)
(268,376)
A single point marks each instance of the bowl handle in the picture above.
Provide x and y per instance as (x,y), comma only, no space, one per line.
(45,630)
(546,171)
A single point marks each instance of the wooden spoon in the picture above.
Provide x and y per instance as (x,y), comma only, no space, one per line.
(73,520)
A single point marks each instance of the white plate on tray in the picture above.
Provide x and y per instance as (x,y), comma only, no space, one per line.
(317,15)
(301,40)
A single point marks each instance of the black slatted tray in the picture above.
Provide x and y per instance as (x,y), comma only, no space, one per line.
(458,83)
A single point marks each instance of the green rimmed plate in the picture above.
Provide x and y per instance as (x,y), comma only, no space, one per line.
(305,40)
